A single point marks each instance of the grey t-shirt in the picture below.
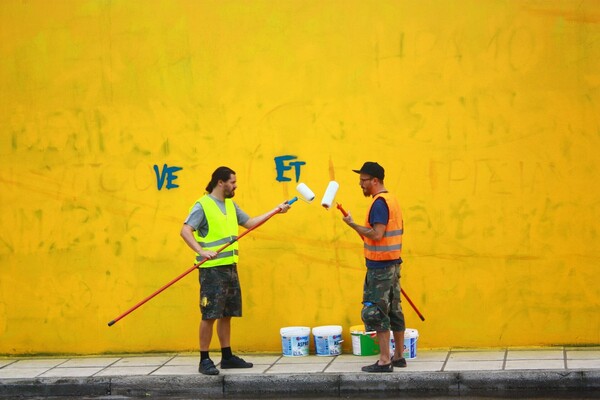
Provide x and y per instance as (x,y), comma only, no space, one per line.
(197,219)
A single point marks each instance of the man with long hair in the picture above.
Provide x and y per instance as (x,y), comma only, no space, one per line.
(212,222)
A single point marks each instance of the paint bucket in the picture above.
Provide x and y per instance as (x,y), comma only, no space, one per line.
(410,343)
(363,343)
(328,340)
(294,341)
(366,344)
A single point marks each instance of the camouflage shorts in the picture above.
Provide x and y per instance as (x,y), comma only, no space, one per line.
(220,292)
(382,310)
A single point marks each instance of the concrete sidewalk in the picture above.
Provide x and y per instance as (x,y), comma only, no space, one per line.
(455,372)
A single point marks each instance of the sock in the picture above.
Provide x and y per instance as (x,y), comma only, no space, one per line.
(226,352)
(203,355)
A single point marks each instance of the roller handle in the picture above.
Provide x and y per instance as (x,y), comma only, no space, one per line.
(339,207)
(292,200)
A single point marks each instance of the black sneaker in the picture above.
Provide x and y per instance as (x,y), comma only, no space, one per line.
(207,367)
(400,363)
(234,362)
(378,368)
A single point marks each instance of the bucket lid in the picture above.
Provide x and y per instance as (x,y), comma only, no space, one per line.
(295,330)
(327,330)
(411,333)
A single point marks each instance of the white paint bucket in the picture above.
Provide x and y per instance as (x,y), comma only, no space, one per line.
(410,343)
(328,340)
(295,340)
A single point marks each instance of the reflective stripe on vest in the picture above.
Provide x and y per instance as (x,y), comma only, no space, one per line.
(390,246)
(222,229)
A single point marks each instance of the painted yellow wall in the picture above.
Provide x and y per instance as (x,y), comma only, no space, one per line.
(486,116)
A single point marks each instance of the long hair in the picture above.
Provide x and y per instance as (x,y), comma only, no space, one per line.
(220,174)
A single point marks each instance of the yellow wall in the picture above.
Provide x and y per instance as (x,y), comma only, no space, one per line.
(484,114)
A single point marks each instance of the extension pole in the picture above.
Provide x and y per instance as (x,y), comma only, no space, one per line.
(114,321)
(412,304)
(339,207)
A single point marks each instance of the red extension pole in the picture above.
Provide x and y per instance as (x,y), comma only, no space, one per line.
(141,303)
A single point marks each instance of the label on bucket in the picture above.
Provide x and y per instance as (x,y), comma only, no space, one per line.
(328,345)
(363,344)
(410,348)
(294,346)
(410,343)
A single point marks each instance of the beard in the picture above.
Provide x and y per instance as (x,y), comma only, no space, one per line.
(229,194)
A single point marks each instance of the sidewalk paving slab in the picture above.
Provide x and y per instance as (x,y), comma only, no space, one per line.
(442,373)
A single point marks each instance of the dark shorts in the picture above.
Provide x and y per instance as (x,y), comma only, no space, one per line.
(220,292)
(382,310)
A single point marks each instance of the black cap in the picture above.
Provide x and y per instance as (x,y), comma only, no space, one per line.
(371,168)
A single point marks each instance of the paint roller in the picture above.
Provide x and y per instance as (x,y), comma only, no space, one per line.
(329,195)
(305,193)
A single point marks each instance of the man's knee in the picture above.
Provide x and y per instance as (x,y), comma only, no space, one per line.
(371,315)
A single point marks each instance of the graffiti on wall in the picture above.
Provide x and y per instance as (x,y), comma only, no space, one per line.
(284,164)
(166,176)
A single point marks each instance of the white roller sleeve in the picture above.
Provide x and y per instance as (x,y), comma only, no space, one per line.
(330,193)
(305,192)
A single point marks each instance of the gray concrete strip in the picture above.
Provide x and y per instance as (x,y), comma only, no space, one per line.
(313,385)
(409,383)
(433,384)
(531,383)
(196,386)
(57,387)
(590,380)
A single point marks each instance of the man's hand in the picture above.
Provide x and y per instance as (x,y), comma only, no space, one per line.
(284,207)
(348,219)
(207,254)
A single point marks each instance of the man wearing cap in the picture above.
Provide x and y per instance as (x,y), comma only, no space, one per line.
(382,236)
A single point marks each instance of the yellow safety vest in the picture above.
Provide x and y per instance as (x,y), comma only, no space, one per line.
(390,246)
(222,229)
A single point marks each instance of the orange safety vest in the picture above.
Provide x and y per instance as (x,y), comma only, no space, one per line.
(390,246)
